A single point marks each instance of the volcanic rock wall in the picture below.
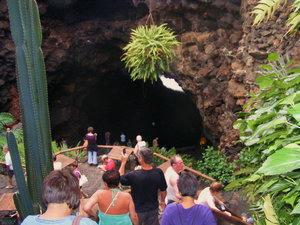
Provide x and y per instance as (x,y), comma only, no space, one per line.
(215,64)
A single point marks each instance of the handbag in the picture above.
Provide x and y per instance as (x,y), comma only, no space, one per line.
(83,179)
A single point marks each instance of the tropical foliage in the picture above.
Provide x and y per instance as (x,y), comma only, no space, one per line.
(216,165)
(266,9)
(7,119)
(149,52)
(211,162)
(270,131)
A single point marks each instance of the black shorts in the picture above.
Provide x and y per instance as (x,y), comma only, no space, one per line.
(10,173)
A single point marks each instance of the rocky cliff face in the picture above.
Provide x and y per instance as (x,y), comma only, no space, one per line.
(215,64)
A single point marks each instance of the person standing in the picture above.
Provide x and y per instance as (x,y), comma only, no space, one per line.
(9,167)
(91,139)
(145,184)
(129,143)
(139,143)
(172,176)
(123,139)
(114,206)
(155,142)
(107,138)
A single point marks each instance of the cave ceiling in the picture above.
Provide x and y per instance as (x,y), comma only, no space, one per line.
(215,64)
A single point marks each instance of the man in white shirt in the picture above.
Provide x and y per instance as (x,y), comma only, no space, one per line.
(9,166)
(171,176)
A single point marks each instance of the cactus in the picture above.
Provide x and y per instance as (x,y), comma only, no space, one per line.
(22,201)
(32,85)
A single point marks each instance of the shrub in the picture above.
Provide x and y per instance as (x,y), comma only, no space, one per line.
(215,165)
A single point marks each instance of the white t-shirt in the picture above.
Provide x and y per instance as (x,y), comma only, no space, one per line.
(206,198)
(123,138)
(8,161)
(170,190)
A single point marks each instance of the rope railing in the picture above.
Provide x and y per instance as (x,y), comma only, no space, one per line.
(188,168)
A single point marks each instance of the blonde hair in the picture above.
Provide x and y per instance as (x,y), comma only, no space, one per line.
(104,157)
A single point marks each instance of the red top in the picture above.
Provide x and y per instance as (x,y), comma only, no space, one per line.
(110,165)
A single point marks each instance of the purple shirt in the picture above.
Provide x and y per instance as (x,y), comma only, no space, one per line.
(175,214)
(91,140)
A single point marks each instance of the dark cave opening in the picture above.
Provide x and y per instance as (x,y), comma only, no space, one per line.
(117,104)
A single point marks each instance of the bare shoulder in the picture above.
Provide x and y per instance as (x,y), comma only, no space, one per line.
(125,195)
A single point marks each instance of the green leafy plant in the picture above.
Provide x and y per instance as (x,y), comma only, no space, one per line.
(212,163)
(162,151)
(32,85)
(149,52)
(266,9)
(7,119)
(215,165)
(270,131)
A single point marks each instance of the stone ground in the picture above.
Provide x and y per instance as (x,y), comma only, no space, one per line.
(94,175)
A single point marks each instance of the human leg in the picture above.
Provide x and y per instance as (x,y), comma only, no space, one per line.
(95,161)
(10,174)
(149,218)
(90,158)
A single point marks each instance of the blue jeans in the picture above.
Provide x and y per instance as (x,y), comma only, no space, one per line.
(92,157)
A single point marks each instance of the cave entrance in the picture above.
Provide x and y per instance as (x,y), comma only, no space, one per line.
(117,104)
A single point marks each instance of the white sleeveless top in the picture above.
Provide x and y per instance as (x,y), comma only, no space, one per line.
(170,190)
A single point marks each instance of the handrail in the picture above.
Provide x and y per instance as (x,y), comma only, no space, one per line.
(233,219)
(83,147)
(187,168)
(68,150)
(156,154)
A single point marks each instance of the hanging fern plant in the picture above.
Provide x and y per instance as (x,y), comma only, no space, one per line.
(149,52)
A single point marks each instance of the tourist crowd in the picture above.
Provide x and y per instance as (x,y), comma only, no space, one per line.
(175,192)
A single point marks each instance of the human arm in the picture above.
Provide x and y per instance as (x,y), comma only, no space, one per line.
(136,148)
(123,164)
(162,203)
(102,167)
(132,213)
(90,203)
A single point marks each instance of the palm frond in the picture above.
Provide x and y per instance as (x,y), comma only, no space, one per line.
(6,118)
(293,21)
(265,9)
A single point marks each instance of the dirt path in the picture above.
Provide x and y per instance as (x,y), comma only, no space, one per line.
(94,176)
